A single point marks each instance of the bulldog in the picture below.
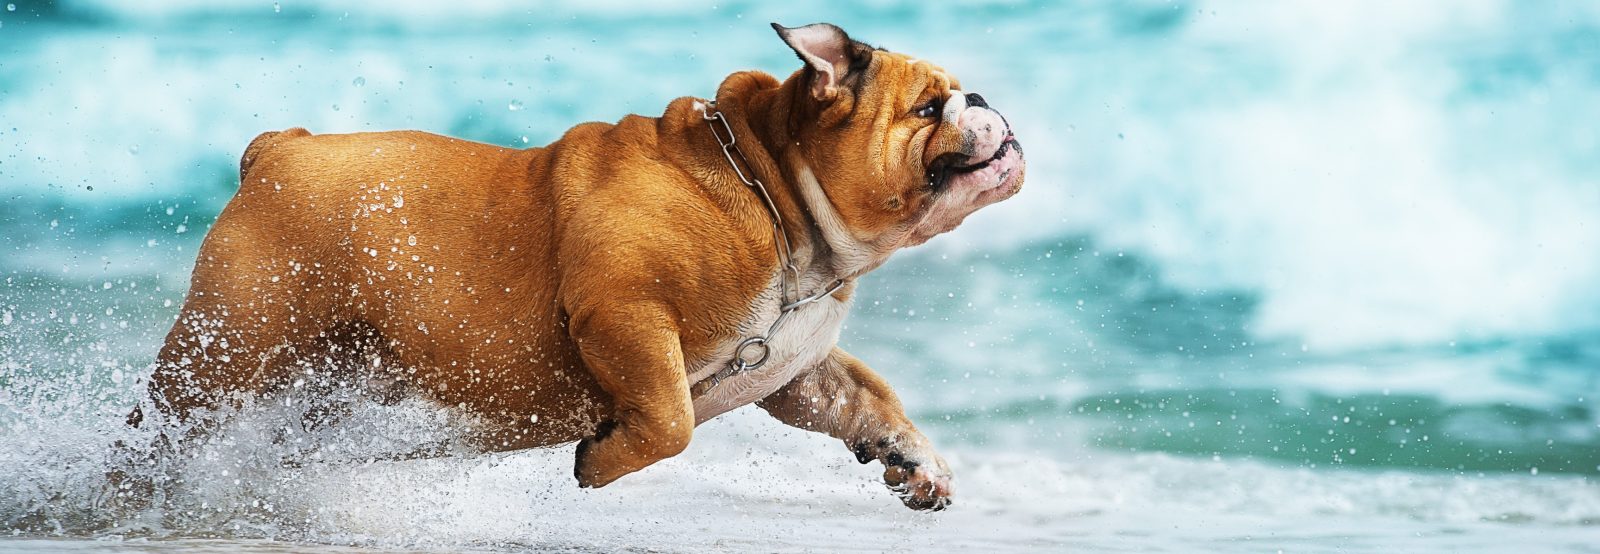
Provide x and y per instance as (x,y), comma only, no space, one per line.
(617,287)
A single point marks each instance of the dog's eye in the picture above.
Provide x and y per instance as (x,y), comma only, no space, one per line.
(928,110)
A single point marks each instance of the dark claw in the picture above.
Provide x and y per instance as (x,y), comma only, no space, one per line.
(917,503)
(604,429)
(600,433)
(862,454)
(909,466)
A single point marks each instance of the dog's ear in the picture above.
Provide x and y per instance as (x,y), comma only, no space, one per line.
(832,57)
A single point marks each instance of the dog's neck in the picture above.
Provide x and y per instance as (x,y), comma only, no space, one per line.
(809,220)
(822,242)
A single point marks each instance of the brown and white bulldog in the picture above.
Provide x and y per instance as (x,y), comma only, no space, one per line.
(598,288)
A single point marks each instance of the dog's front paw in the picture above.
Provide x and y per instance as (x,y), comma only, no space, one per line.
(916,474)
(583,466)
(921,485)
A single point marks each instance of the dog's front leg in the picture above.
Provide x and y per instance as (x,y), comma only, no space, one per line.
(634,353)
(845,399)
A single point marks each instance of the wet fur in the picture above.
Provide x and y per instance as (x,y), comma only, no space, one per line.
(560,293)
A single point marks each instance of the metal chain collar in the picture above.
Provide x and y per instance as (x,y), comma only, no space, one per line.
(754,351)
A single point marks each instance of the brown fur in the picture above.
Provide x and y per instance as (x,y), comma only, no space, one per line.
(569,282)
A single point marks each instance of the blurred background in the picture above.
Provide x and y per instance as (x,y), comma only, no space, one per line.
(1326,274)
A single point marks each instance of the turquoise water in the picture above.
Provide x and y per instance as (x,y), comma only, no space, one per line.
(1288,276)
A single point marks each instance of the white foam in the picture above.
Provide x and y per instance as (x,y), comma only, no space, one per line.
(746,479)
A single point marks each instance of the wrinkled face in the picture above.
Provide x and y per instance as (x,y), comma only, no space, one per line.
(900,150)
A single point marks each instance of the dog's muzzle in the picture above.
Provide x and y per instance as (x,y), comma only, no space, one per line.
(986,139)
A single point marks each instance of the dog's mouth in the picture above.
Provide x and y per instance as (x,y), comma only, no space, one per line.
(946,166)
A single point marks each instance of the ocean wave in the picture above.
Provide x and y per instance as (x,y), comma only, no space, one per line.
(1425,187)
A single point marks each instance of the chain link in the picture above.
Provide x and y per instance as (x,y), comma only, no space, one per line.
(753,352)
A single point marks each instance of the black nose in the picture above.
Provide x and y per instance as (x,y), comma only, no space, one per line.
(974,100)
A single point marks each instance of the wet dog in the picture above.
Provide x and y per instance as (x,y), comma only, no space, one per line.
(621,285)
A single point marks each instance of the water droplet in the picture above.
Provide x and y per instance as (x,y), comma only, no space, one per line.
(359,82)
(133,149)
(276,8)
(11,7)
(515,105)
(335,107)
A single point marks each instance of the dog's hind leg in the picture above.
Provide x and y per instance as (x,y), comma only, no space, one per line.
(246,315)
(248,302)
(239,324)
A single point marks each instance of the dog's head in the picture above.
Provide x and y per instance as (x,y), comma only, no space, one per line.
(899,150)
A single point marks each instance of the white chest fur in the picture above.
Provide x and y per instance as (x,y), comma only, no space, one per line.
(803,341)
